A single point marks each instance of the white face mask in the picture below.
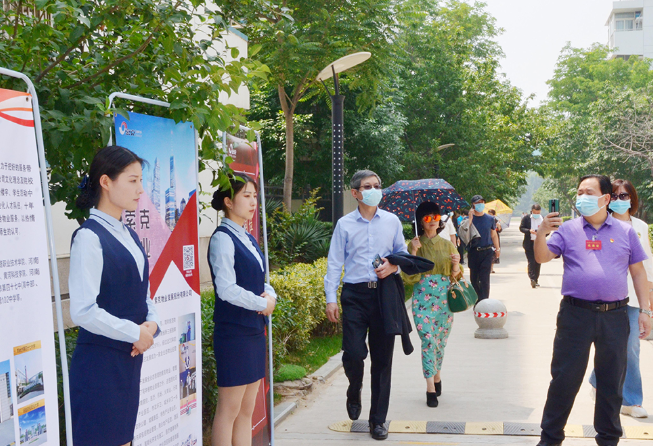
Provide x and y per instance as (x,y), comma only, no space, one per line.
(536,216)
(372,197)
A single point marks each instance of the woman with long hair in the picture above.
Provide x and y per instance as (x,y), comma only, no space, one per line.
(431,313)
(110,301)
(242,303)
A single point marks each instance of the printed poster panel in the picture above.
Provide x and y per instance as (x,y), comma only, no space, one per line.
(245,160)
(28,377)
(245,156)
(166,221)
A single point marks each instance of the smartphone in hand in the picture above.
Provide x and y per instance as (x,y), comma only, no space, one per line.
(554,206)
(377,261)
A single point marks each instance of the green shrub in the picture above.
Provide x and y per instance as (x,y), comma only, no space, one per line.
(209,376)
(300,306)
(298,236)
(566,218)
(650,235)
(70,336)
(409,231)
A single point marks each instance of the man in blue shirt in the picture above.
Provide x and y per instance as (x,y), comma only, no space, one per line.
(357,239)
(483,250)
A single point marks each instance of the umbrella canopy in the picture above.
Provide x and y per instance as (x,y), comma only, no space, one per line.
(403,197)
(504,213)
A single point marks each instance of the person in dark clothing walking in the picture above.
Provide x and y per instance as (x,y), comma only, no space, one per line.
(482,251)
(528,226)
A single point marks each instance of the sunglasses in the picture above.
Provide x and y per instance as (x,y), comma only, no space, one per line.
(621,196)
(430,218)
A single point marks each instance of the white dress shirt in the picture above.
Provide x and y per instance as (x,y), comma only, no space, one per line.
(355,243)
(641,228)
(86,265)
(222,263)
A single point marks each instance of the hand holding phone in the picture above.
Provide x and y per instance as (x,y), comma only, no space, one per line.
(554,206)
(377,261)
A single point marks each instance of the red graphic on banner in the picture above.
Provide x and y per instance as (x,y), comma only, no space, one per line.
(184,234)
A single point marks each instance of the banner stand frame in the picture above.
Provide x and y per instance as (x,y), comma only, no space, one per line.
(45,190)
(267,265)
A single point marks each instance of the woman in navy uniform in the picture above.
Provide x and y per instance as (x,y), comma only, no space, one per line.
(242,303)
(109,300)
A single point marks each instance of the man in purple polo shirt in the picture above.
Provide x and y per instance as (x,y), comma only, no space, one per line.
(597,251)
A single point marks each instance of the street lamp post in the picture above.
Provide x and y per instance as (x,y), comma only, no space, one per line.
(337,125)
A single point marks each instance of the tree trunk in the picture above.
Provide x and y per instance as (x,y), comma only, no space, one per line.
(288,111)
(290,161)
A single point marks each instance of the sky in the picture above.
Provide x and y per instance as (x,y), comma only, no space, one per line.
(535,31)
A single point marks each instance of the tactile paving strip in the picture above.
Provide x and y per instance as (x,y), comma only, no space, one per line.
(360,426)
(639,432)
(589,431)
(484,428)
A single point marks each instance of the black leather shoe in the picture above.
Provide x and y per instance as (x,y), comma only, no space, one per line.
(354,405)
(432,399)
(378,431)
(543,443)
(438,388)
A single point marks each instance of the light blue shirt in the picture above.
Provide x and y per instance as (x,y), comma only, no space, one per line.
(222,263)
(86,265)
(355,243)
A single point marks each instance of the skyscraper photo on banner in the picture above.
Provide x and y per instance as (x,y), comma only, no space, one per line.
(28,376)
(166,221)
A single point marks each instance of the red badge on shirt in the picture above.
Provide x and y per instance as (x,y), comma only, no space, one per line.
(594,245)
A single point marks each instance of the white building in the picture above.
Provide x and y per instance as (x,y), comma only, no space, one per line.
(630,29)
(6,408)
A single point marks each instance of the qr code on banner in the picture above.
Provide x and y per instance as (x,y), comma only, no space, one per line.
(189,257)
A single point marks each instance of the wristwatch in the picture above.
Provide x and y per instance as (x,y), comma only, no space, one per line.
(649,313)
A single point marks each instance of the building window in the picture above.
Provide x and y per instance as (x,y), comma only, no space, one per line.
(628,21)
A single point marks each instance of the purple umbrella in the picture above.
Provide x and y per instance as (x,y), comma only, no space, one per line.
(403,197)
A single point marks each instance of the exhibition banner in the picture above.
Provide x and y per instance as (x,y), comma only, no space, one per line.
(245,158)
(166,221)
(28,375)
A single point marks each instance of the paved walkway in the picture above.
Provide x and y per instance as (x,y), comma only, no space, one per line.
(482,380)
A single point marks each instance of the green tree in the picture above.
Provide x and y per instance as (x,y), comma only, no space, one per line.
(301,37)
(77,52)
(454,94)
(596,106)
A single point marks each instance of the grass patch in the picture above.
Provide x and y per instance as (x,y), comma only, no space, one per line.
(289,372)
(316,354)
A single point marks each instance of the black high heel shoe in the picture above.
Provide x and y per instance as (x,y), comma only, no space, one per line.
(438,388)
(431,399)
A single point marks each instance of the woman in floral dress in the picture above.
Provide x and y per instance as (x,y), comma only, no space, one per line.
(431,313)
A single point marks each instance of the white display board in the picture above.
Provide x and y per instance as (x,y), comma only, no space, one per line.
(28,379)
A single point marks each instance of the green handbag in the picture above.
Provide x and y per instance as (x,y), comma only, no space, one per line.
(461,295)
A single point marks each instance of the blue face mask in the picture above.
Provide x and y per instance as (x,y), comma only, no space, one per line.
(536,216)
(620,206)
(479,207)
(588,205)
(372,197)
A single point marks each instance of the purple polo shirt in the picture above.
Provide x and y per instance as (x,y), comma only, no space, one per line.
(597,275)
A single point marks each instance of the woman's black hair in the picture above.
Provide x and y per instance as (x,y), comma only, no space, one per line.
(110,161)
(426,208)
(238,183)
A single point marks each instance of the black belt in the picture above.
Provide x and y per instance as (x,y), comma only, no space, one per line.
(597,306)
(363,287)
(485,248)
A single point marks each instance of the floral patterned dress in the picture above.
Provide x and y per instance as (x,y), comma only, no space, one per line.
(431,313)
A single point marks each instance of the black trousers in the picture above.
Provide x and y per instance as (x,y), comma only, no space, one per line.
(360,315)
(480,268)
(577,329)
(533,266)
